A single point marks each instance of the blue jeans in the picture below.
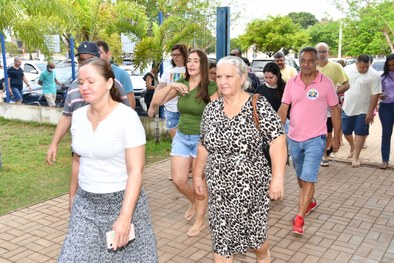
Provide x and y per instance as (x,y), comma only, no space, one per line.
(17,94)
(386,115)
(185,145)
(306,157)
(172,119)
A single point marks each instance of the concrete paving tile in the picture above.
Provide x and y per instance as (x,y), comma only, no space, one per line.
(353,222)
(331,254)
(21,256)
(37,257)
(359,259)
(343,257)
(388,258)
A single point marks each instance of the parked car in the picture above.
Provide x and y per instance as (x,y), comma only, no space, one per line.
(139,87)
(258,65)
(32,69)
(294,62)
(35,95)
(378,65)
(350,61)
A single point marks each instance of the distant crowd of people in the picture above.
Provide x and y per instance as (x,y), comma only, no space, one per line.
(230,133)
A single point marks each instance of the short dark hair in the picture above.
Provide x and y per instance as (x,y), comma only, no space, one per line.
(363,58)
(212,64)
(237,50)
(246,60)
(279,55)
(103,44)
(309,49)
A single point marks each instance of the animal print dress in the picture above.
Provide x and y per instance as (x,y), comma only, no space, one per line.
(238,175)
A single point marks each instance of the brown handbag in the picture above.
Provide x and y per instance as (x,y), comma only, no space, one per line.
(265,145)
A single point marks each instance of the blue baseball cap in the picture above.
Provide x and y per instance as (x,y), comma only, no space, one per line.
(88,48)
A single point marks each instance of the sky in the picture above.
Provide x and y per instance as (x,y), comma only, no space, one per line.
(263,8)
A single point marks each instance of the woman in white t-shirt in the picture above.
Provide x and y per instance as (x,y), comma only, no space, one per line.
(106,191)
(172,74)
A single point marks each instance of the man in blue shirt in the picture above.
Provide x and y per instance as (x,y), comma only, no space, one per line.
(48,82)
(120,75)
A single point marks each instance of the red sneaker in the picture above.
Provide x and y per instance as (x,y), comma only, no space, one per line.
(312,206)
(298,225)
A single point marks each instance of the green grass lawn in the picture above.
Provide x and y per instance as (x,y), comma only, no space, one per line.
(26,179)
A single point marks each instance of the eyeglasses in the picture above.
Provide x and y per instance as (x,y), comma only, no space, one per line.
(232,54)
(322,51)
(176,55)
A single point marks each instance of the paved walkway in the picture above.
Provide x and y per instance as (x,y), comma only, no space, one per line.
(354,222)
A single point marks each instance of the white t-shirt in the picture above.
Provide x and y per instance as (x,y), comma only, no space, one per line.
(172,74)
(102,152)
(362,87)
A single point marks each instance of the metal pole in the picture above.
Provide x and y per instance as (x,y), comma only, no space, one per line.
(340,39)
(7,92)
(72,57)
(222,32)
(157,115)
(161,22)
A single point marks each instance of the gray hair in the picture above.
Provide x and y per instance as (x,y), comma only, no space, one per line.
(241,66)
(17,59)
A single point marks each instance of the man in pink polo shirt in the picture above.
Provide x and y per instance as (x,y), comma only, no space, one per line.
(310,94)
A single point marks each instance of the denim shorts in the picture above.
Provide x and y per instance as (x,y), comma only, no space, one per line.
(354,124)
(17,94)
(184,145)
(172,119)
(307,156)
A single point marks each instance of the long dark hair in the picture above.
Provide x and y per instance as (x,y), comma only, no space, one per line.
(386,70)
(273,68)
(202,92)
(105,70)
(183,49)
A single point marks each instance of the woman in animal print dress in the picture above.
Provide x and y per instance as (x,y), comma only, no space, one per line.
(239,179)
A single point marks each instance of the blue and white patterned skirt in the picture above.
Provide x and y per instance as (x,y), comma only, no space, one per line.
(92,216)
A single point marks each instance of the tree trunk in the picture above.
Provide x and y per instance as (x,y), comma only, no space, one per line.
(389,42)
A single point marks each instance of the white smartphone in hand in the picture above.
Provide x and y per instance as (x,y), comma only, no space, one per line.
(111,237)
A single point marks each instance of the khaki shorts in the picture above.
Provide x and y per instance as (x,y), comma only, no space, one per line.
(50,99)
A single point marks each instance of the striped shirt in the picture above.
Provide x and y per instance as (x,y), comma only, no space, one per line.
(75,100)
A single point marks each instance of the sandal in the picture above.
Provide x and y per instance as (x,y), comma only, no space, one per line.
(356,164)
(195,232)
(324,163)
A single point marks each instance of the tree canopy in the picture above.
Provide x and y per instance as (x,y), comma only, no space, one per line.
(303,19)
(270,35)
(369,27)
(327,32)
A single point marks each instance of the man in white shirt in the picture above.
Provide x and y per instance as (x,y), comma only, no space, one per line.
(359,104)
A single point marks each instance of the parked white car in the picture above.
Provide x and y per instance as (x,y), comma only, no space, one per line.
(378,65)
(139,87)
(32,68)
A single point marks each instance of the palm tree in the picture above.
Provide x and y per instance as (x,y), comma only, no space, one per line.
(29,20)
